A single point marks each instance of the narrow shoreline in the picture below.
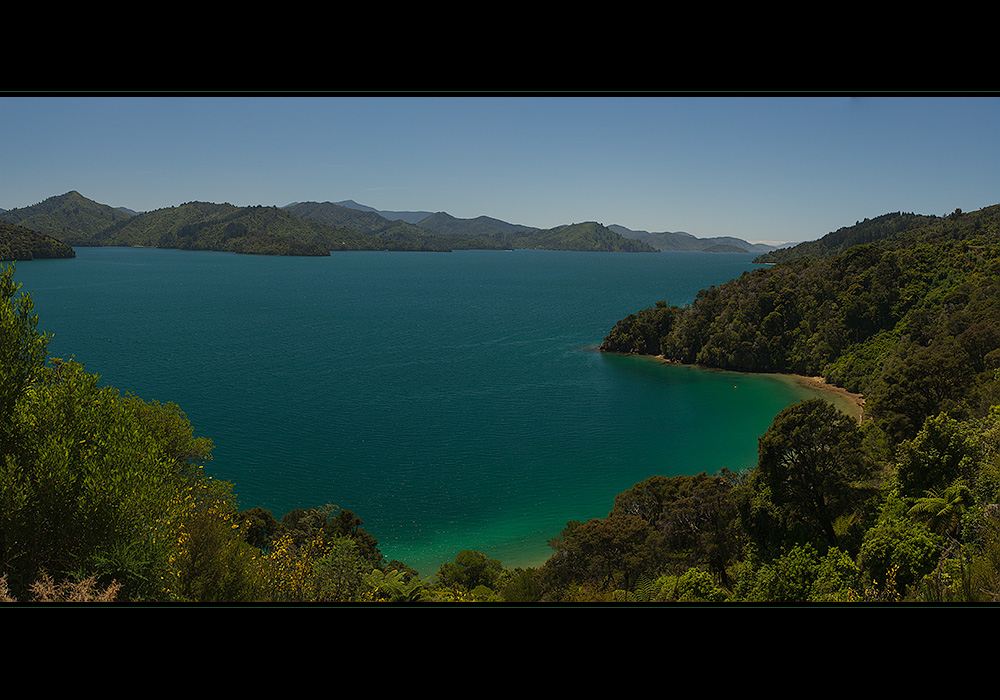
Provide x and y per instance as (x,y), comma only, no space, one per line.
(853,404)
(850,403)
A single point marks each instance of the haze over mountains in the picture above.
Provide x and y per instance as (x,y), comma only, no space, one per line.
(316,228)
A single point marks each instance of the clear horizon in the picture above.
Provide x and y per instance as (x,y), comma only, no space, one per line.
(764,169)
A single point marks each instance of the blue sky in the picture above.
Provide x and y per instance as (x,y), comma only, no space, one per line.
(758,168)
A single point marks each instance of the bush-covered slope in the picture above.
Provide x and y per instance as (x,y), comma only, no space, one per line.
(225,227)
(912,322)
(70,218)
(587,236)
(19,243)
(888,229)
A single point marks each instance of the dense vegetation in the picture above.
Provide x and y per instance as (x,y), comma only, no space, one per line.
(105,496)
(19,243)
(225,227)
(905,310)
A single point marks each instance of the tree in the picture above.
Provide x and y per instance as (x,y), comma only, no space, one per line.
(22,350)
(942,511)
(215,563)
(799,574)
(928,381)
(469,570)
(938,455)
(606,553)
(393,586)
(303,524)
(696,515)
(523,587)
(339,572)
(812,462)
(259,526)
(899,551)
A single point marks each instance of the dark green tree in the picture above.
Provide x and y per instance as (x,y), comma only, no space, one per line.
(812,462)
(942,511)
(469,570)
(695,514)
(926,381)
(899,551)
(23,350)
(304,524)
(259,526)
(941,453)
(609,553)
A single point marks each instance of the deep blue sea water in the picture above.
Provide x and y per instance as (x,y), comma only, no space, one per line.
(450,400)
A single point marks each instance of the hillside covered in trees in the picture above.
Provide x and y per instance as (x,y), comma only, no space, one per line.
(905,310)
(19,243)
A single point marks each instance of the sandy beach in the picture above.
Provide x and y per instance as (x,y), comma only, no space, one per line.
(852,404)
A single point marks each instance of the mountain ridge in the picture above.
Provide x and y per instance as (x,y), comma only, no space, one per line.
(345,225)
(682,240)
(892,228)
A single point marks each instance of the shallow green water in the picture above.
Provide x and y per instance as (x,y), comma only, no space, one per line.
(451,400)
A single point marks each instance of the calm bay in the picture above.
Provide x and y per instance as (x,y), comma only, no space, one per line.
(450,400)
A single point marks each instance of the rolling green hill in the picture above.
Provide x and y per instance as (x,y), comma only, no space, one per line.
(587,236)
(397,233)
(225,227)
(904,310)
(885,229)
(70,218)
(679,240)
(481,226)
(78,221)
(442,229)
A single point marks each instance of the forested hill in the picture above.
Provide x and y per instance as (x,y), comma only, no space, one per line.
(19,243)
(888,229)
(679,240)
(479,233)
(225,227)
(66,217)
(392,232)
(911,321)
(586,236)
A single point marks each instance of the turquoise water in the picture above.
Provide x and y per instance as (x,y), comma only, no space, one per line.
(451,400)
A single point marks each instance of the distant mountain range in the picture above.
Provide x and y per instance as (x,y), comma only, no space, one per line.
(680,240)
(316,228)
